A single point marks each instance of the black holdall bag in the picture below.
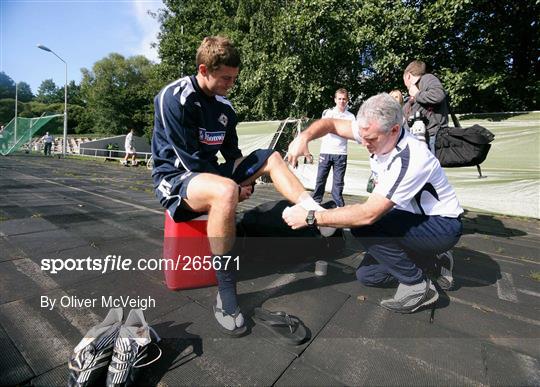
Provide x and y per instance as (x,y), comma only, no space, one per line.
(462,147)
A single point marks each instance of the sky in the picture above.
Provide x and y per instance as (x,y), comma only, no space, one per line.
(81,32)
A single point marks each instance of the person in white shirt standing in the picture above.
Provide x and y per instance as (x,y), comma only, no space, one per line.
(130,150)
(48,140)
(333,153)
(411,219)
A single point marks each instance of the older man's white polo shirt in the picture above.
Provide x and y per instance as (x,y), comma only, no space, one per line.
(412,178)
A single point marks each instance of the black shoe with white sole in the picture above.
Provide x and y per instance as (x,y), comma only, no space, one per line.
(409,299)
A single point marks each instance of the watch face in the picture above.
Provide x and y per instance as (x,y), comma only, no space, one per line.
(310,219)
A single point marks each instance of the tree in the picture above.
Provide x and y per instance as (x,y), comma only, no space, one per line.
(24,92)
(7,86)
(296,53)
(119,93)
(48,92)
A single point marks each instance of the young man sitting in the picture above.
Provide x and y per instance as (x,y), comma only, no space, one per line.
(193,122)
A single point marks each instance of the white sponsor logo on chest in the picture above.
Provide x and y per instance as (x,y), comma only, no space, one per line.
(211,138)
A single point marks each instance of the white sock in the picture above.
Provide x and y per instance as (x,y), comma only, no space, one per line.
(307,203)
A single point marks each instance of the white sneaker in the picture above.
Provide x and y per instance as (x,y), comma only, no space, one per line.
(132,350)
(410,298)
(88,364)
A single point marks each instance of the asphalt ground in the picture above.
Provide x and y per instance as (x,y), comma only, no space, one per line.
(483,332)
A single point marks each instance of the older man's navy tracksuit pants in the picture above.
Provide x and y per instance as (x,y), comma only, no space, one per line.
(402,246)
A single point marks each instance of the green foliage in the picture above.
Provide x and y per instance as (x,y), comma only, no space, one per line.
(48,92)
(24,92)
(7,86)
(295,54)
(118,93)
(7,110)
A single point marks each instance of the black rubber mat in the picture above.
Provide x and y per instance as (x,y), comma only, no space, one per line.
(25,226)
(510,368)
(13,368)
(17,285)
(314,307)
(43,338)
(55,377)
(216,358)
(9,252)
(300,373)
(48,241)
(367,345)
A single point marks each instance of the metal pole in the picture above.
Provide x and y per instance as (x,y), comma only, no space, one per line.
(64,147)
(65,115)
(16,97)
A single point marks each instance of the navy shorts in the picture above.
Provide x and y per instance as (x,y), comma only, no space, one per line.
(173,188)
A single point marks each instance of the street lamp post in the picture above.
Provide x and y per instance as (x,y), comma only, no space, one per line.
(64,145)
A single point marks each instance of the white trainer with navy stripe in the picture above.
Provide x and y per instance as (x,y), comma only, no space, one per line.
(88,364)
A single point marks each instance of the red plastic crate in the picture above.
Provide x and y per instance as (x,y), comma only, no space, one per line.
(185,243)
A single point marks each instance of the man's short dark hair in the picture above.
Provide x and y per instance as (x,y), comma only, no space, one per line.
(416,68)
(216,51)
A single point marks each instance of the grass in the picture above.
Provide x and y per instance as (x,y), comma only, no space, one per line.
(535,275)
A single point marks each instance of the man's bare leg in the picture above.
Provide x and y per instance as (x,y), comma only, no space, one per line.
(284,180)
(219,197)
(289,186)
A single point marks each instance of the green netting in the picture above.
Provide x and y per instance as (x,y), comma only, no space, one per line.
(19,132)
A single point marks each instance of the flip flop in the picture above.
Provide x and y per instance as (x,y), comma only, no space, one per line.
(286,327)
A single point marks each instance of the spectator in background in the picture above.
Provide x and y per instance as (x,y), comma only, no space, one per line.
(130,150)
(427,101)
(333,152)
(48,140)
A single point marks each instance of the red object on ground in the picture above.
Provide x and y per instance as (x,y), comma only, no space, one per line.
(186,245)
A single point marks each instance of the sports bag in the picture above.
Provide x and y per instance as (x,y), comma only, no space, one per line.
(462,147)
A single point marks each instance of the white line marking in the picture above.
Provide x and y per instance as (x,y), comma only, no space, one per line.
(498,312)
(529,292)
(505,288)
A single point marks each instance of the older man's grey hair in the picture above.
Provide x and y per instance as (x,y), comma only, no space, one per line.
(382,108)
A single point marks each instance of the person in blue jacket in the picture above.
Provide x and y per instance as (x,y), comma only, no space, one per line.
(193,122)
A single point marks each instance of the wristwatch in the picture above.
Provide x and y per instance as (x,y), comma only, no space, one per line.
(310,218)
